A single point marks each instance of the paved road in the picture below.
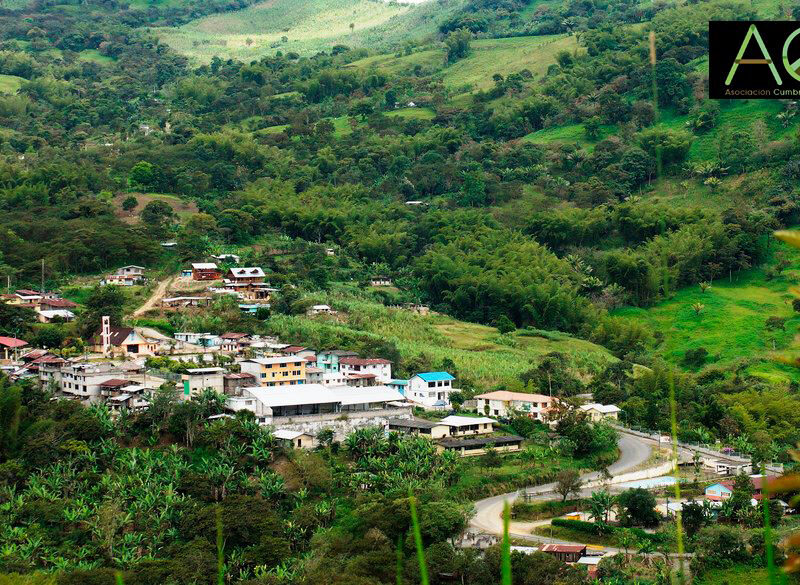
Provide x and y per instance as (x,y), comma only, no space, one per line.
(488,512)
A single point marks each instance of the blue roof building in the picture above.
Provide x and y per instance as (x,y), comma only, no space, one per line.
(431,389)
(436,376)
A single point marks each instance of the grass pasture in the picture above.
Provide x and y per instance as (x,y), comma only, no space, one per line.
(308,26)
(487,57)
(183,208)
(10,83)
(510,55)
(731,327)
(571,134)
(95,56)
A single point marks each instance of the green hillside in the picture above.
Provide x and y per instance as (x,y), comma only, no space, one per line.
(732,323)
(303,26)
(479,352)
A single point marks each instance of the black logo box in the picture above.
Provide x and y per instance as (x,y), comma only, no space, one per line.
(759,72)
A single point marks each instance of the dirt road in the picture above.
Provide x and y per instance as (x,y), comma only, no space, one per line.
(152,302)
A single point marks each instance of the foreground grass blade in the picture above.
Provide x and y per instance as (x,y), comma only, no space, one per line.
(673,407)
(423,568)
(505,559)
(400,560)
(220,558)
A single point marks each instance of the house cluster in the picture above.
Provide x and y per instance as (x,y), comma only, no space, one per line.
(296,389)
(466,435)
(49,307)
(572,554)
(248,284)
(718,492)
(125,276)
(121,385)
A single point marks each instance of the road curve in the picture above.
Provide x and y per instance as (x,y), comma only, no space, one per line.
(633,451)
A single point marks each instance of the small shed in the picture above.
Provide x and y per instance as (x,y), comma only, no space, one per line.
(297,439)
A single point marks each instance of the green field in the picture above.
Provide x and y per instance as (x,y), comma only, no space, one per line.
(303,26)
(570,134)
(487,57)
(413,114)
(10,83)
(478,351)
(95,56)
(732,324)
(739,574)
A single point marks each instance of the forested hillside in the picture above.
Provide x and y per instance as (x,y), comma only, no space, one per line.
(506,163)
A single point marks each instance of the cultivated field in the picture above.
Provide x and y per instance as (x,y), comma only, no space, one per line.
(478,351)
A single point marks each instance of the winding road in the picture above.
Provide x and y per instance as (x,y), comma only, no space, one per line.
(633,451)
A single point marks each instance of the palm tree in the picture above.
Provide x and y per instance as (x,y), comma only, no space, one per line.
(600,505)
(647,548)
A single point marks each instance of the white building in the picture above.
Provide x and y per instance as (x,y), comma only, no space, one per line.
(503,403)
(188,337)
(430,389)
(195,380)
(597,412)
(381,368)
(461,426)
(82,381)
(313,403)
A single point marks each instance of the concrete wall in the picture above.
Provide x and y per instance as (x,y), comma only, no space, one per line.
(342,424)
(649,473)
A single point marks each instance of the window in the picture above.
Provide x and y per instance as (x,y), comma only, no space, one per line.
(431,384)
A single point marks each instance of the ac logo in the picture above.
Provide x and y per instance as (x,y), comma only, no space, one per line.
(742,62)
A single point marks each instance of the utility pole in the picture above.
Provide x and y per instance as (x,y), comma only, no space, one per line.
(42,290)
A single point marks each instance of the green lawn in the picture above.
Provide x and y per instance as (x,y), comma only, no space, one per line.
(574,535)
(572,134)
(95,56)
(413,113)
(732,324)
(10,83)
(739,575)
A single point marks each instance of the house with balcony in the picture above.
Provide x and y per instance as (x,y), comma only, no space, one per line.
(381,368)
(503,403)
(419,427)
(205,271)
(328,360)
(462,426)
(276,370)
(430,389)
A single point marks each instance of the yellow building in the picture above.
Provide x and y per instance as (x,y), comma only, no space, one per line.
(276,371)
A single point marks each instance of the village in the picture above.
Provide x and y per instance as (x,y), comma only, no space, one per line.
(309,395)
